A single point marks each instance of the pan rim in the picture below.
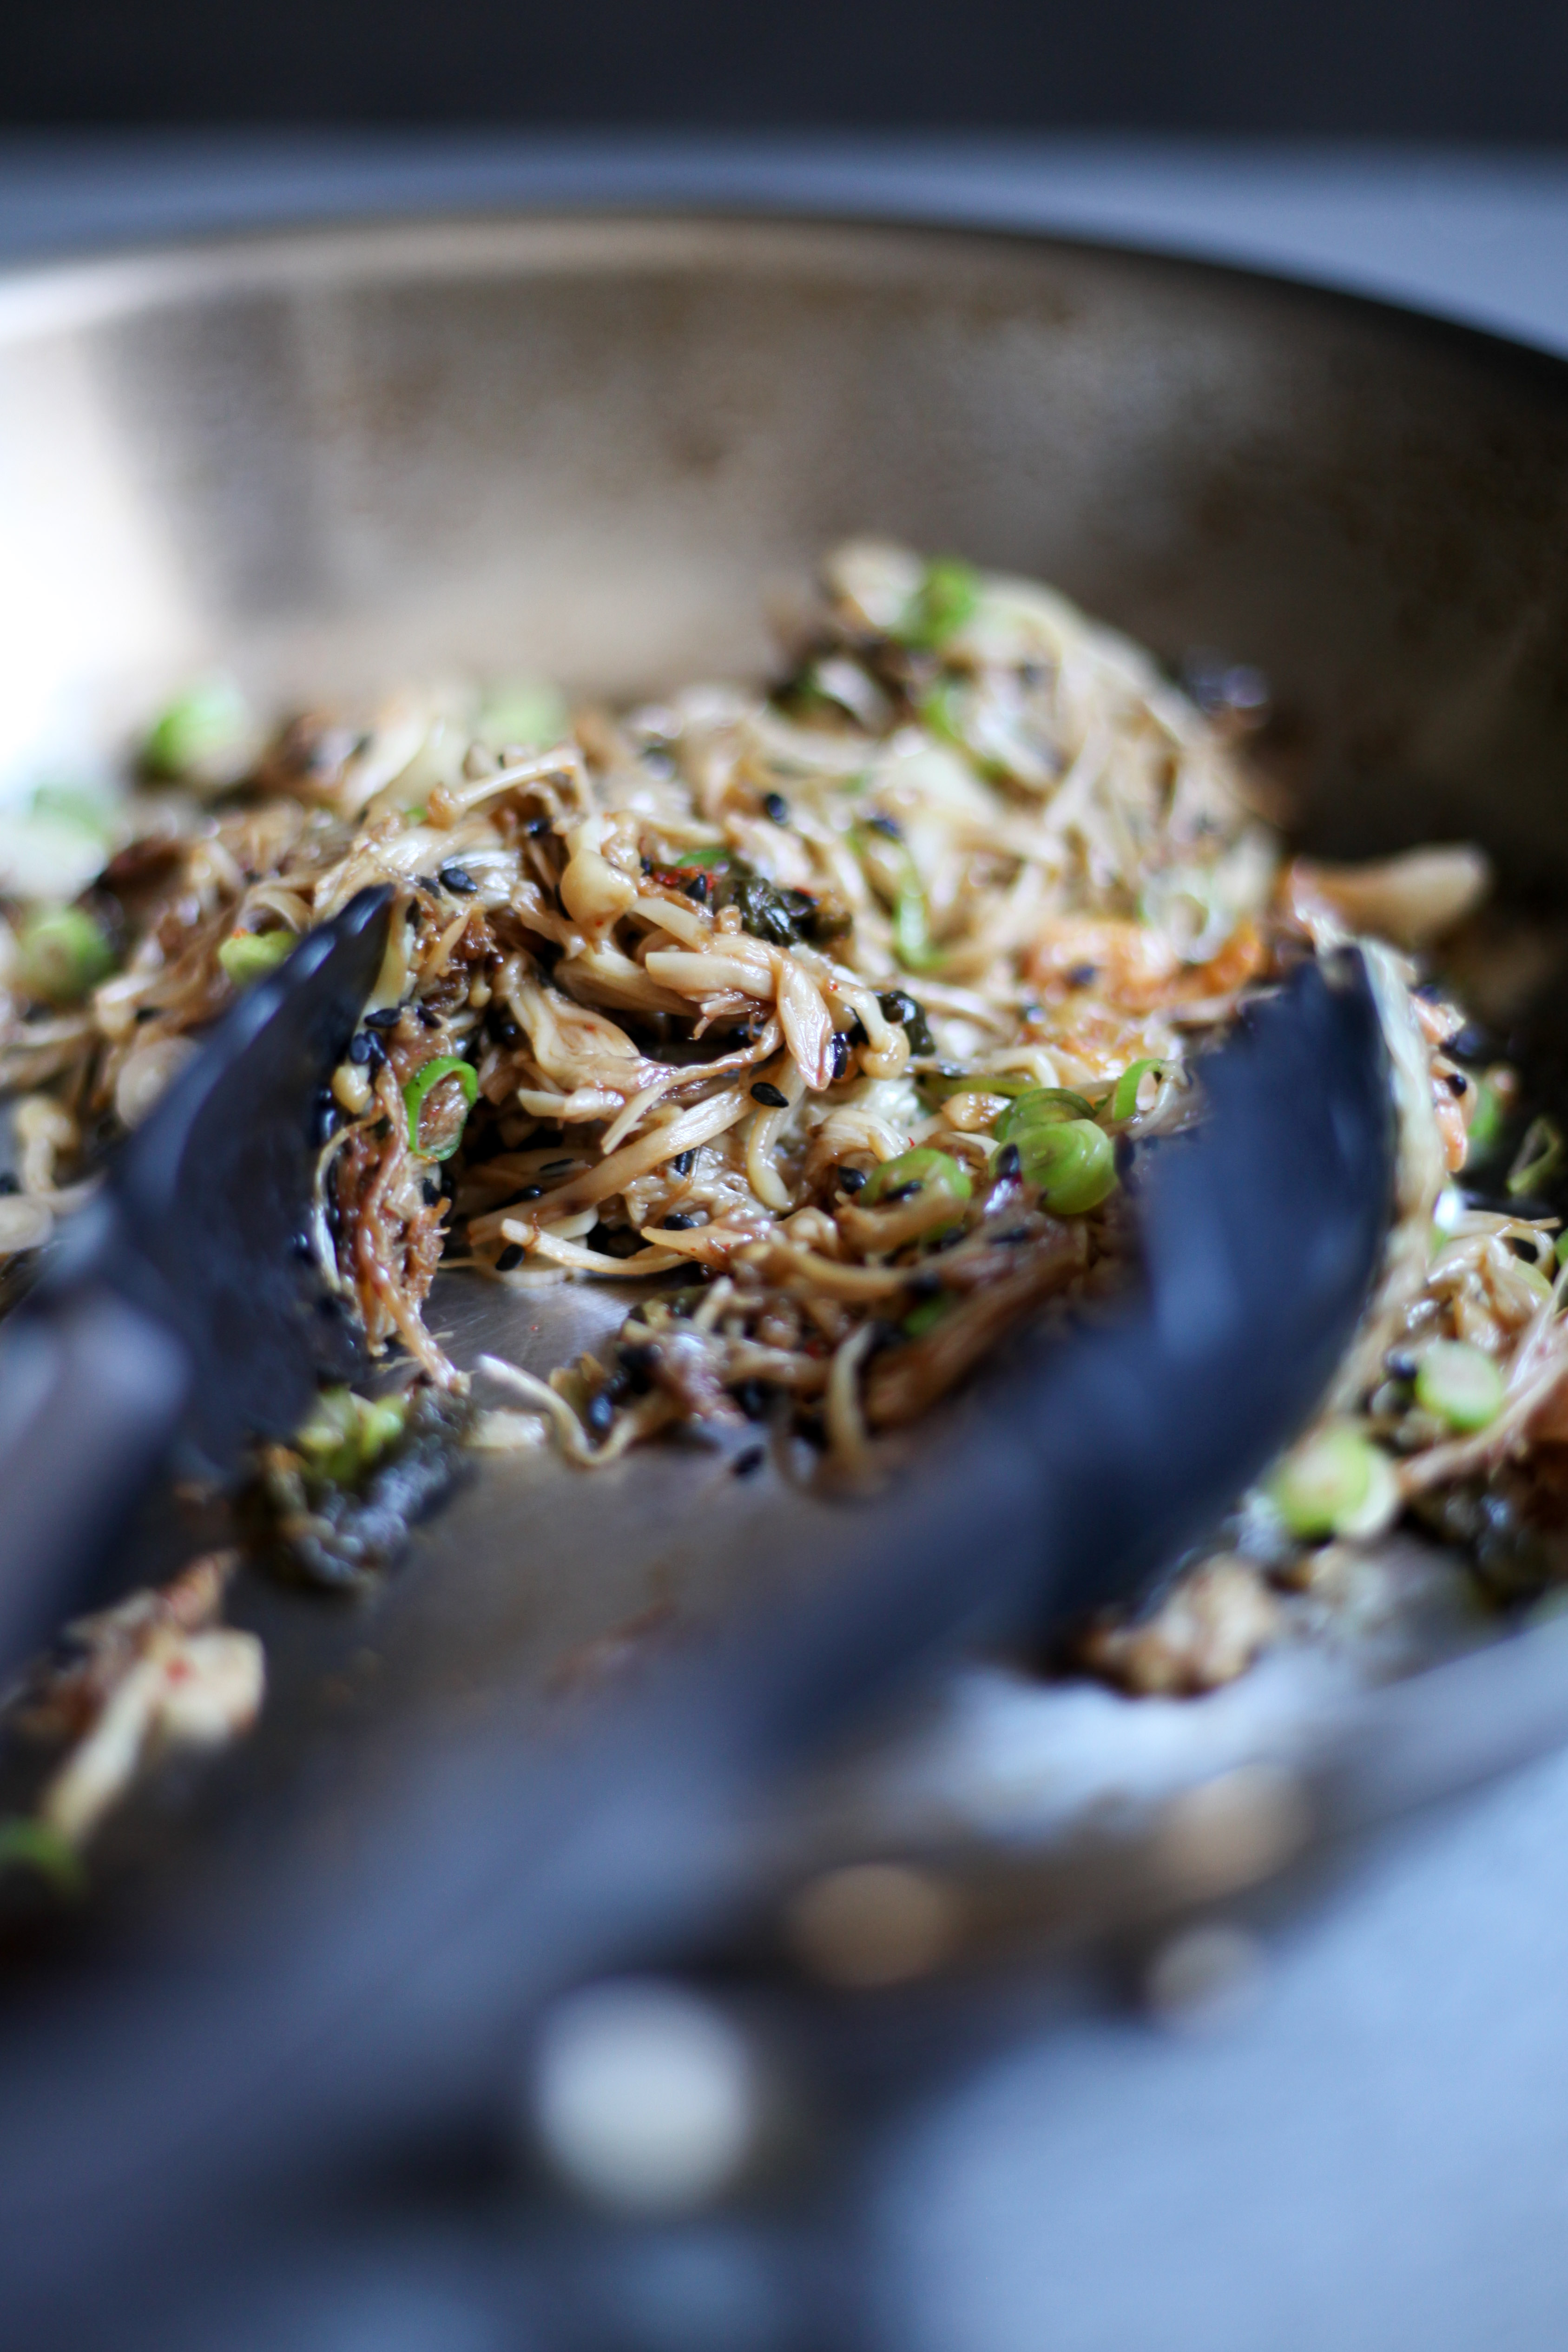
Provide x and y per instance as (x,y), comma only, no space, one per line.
(53,294)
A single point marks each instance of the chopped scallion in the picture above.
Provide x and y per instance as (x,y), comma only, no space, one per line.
(928,1170)
(29,1844)
(61,954)
(346,1434)
(937,1087)
(946,598)
(1336,1484)
(1485,1131)
(1538,1157)
(1459,1384)
(1072,1161)
(204,732)
(895,874)
(1040,1107)
(249,956)
(1125,1094)
(422,1085)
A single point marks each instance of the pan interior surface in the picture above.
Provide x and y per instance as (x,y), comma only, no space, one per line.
(599,450)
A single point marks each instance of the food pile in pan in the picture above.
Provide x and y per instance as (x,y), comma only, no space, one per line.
(833,1018)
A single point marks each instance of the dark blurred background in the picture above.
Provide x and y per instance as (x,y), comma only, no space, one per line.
(1469,71)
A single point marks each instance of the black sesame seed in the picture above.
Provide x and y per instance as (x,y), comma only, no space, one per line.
(536,826)
(747,1465)
(902,1192)
(599,1413)
(1457,1083)
(1009,1161)
(753,1396)
(1082,975)
(1470,1043)
(430,1190)
(511,1255)
(459,880)
(853,1179)
(531,1192)
(1401,1364)
(431,889)
(429,1020)
(302,1246)
(684,1220)
(840,1050)
(386,1016)
(683,1162)
(364,1047)
(776,806)
(856,1032)
(765,1091)
(884,825)
(1014,1234)
(326,1118)
(697,887)
(558,1167)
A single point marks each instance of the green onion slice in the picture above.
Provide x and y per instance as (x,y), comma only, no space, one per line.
(946,598)
(249,956)
(925,1316)
(62,954)
(1073,1162)
(1485,1131)
(1335,1484)
(1533,1279)
(207,726)
(1040,1107)
(893,871)
(912,942)
(28,1844)
(939,1085)
(1125,1094)
(933,1172)
(1460,1385)
(940,711)
(346,1433)
(423,1082)
(1538,1156)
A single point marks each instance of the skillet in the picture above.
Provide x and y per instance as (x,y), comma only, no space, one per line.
(329,459)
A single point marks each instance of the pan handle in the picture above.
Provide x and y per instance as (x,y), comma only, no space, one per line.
(90,1393)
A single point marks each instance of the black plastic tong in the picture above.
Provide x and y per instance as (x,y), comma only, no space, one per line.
(310,2025)
(186,1308)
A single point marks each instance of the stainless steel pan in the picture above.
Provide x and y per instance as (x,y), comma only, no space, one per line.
(593,447)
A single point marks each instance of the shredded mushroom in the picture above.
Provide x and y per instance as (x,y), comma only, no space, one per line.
(841,1006)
